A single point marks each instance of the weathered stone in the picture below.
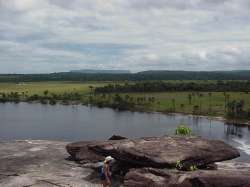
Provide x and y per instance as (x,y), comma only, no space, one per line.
(117,137)
(45,163)
(166,151)
(41,163)
(79,152)
(145,177)
(233,166)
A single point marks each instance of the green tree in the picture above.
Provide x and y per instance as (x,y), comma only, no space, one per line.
(200,102)
(173,103)
(189,99)
(210,106)
(46,92)
(182,107)
(91,89)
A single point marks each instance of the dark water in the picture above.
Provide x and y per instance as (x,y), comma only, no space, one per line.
(72,123)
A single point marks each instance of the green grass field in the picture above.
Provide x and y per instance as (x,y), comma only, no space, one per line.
(164,102)
(31,88)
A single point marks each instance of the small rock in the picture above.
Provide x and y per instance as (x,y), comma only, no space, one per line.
(117,137)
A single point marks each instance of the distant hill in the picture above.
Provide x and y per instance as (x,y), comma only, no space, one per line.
(121,75)
(188,72)
(196,75)
(92,71)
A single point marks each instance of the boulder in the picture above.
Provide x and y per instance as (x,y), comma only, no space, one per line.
(144,177)
(117,137)
(79,152)
(166,151)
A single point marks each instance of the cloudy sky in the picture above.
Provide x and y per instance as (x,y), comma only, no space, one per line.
(61,35)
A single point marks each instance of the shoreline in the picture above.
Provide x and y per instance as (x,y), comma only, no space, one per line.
(218,118)
(242,122)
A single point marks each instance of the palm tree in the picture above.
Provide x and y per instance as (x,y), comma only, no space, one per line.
(226,101)
(239,107)
(190,98)
(182,107)
(173,102)
(210,107)
(91,88)
(200,102)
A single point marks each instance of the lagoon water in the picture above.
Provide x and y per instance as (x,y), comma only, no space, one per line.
(76,122)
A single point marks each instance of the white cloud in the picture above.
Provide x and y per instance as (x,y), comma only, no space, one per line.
(58,35)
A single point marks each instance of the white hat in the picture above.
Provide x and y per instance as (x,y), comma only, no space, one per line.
(108,158)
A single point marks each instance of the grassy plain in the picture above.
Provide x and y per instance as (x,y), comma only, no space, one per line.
(30,88)
(213,104)
(179,101)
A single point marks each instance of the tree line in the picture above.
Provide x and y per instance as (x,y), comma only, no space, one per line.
(233,108)
(45,98)
(161,86)
(140,76)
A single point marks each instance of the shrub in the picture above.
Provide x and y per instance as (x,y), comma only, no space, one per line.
(183,130)
(193,168)
(52,101)
(179,165)
(46,92)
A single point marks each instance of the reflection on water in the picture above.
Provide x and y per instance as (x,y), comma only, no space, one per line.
(233,129)
(72,123)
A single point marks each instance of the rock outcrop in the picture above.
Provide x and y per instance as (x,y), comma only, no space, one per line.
(152,161)
(46,163)
(79,151)
(166,151)
(41,163)
(146,177)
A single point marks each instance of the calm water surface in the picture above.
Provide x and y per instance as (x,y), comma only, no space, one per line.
(72,123)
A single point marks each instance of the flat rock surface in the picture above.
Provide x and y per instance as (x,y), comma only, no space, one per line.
(166,151)
(146,177)
(41,163)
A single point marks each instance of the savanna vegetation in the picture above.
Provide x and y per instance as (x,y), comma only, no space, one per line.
(216,98)
(166,86)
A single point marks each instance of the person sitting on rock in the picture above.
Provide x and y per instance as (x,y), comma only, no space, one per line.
(105,172)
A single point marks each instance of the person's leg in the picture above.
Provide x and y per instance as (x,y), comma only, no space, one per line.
(108,183)
(104,183)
